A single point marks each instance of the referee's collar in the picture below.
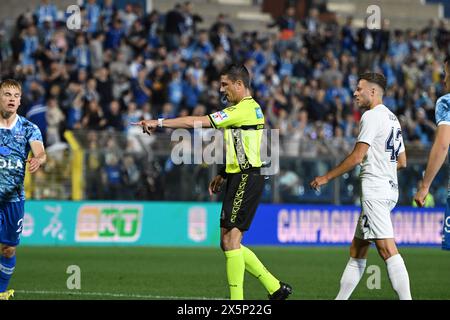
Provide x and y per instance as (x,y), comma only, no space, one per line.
(246,98)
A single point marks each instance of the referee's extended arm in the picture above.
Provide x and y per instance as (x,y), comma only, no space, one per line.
(181,122)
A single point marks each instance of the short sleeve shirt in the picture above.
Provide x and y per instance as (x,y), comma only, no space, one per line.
(14,148)
(243,126)
(380,129)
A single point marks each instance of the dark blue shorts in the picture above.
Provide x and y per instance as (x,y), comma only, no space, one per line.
(11,221)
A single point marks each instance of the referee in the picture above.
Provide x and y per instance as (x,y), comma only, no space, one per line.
(243,125)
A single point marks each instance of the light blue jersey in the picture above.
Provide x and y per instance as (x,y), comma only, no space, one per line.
(443,118)
(14,147)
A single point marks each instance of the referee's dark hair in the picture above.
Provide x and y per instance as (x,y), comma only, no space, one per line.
(374,77)
(236,72)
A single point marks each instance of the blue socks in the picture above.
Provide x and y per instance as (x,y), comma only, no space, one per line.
(7,266)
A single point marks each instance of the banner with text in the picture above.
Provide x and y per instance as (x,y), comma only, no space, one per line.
(117,223)
(197,224)
(335,225)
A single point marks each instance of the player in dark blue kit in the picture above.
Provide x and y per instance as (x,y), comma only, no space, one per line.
(17,137)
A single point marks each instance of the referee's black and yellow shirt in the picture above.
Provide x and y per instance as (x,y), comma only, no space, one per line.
(243,124)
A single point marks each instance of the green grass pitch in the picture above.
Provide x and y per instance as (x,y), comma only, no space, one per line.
(199,273)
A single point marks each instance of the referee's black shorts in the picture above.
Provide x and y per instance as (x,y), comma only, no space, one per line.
(242,195)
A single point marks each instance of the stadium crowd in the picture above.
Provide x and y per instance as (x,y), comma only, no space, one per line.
(124,65)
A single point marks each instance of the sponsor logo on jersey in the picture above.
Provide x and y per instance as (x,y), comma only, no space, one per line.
(19,136)
(219,116)
(10,164)
(393,184)
(259,113)
(392,117)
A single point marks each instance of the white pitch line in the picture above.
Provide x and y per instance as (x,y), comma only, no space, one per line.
(114,295)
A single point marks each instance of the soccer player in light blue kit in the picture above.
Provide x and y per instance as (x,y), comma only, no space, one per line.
(438,153)
(17,137)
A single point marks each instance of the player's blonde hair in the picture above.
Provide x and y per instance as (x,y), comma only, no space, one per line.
(10,83)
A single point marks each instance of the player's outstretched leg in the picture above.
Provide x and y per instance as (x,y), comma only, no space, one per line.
(398,275)
(355,268)
(7,265)
(277,290)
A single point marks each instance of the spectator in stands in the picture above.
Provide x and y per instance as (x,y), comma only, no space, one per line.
(141,88)
(114,35)
(286,24)
(221,21)
(93,12)
(442,35)
(104,87)
(366,49)
(289,185)
(120,73)
(221,38)
(311,23)
(382,37)
(107,11)
(203,49)
(331,74)
(190,19)
(30,46)
(131,176)
(348,35)
(93,118)
(55,121)
(81,52)
(112,177)
(175,89)
(424,128)
(91,90)
(96,50)
(158,86)
(173,29)
(46,10)
(114,117)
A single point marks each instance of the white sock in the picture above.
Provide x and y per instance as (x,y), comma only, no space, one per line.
(399,276)
(350,278)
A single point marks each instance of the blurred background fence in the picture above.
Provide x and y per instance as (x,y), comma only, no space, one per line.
(133,166)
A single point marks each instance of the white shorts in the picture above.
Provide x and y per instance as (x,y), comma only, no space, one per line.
(375,220)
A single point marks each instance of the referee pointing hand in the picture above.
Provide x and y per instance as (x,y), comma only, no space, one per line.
(243,125)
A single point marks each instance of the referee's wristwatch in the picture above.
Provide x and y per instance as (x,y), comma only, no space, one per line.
(160,122)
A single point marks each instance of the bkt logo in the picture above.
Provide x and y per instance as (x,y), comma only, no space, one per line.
(109,223)
(10,164)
